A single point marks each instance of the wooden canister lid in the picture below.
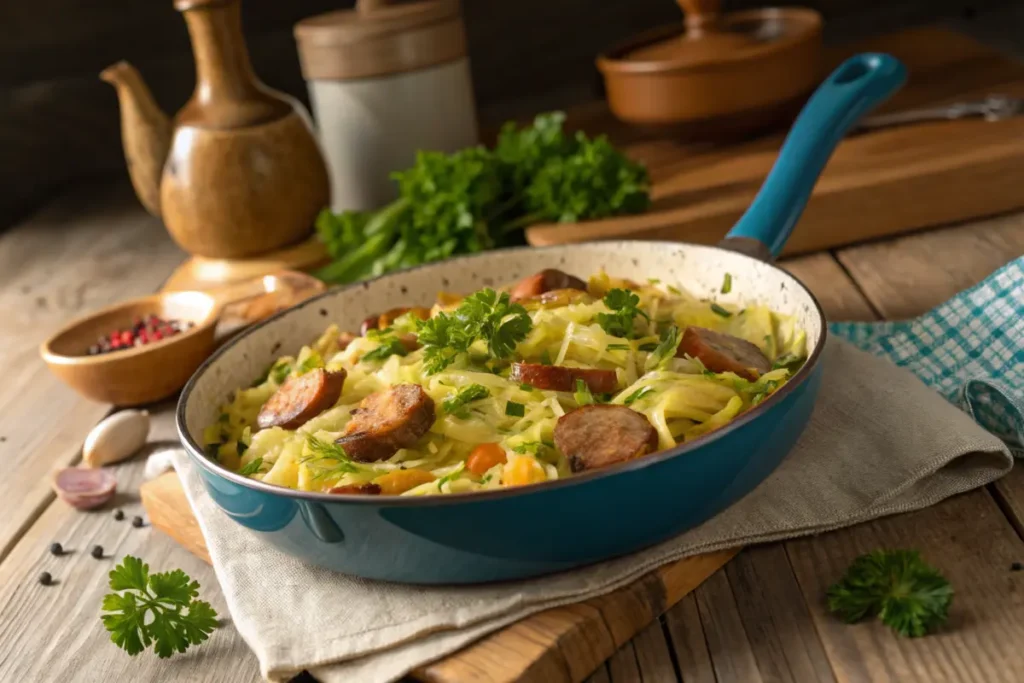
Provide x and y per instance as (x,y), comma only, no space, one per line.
(380,39)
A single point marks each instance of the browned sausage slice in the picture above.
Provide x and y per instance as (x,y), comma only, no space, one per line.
(601,435)
(301,398)
(559,378)
(546,280)
(388,420)
(720,352)
(358,489)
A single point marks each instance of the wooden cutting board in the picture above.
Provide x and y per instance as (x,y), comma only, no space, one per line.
(560,645)
(879,183)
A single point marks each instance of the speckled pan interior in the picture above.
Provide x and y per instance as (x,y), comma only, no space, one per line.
(697,269)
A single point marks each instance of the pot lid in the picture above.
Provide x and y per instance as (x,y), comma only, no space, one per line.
(380,38)
(709,37)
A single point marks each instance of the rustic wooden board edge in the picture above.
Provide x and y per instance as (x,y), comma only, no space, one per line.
(560,644)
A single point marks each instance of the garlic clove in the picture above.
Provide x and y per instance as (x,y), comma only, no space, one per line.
(84,488)
(116,438)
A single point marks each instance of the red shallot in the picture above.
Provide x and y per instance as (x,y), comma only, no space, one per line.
(83,487)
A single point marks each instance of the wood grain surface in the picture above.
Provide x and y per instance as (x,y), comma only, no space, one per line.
(876,184)
(49,273)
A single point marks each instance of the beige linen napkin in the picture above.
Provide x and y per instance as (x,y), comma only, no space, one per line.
(879,442)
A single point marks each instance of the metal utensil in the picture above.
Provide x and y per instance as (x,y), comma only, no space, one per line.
(992,108)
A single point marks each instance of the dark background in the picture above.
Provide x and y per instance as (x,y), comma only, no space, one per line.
(59,124)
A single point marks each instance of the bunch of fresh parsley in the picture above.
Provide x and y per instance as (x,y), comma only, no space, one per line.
(483,316)
(155,609)
(909,595)
(478,198)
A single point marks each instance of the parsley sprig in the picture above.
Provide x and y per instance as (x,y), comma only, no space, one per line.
(909,595)
(456,405)
(624,305)
(483,316)
(155,609)
(389,345)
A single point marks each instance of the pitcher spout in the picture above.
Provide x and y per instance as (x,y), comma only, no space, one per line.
(145,132)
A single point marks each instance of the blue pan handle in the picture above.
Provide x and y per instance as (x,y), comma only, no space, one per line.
(855,88)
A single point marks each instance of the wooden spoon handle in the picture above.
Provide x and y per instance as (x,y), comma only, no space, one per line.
(701,16)
(368,6)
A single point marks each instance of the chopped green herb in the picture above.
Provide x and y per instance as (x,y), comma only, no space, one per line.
(155,609)
(280,371)
(618,347)
(456,405)
(390,345)
(514,409)
(767,340)
(654,281)
(727,283)
(451,476)
(525,387)
(321,451)
(909,595)
(648,347)
(763,391)
(253,467)
(637,395)
(620,322)
(528,447)
(665,350)
(674,290)
(485,316)
(790,362)
(312,362)
(582,394)
(718,310)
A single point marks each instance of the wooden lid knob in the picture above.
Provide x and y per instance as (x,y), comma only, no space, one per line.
(701,16)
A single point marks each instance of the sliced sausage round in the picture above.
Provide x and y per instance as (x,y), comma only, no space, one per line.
(720,352)
(386,421)
(301,398)
(358,489)
(601,435)
(546,280)
(559,378)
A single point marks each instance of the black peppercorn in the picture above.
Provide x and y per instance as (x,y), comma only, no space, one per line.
(119,514)
(137,522)
(1016,567)
(45,578)
(56,549)
(97,552)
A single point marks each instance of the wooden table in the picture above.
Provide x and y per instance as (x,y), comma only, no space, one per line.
(760,619)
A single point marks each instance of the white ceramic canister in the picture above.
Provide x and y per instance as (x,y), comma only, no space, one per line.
(385,82)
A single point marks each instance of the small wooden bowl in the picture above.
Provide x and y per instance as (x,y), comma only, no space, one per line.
(728,74)
(154,371)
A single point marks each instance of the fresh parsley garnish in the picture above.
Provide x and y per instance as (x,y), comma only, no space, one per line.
(390,345)
(637,395)
(327,459)
(624,306)
(155,609)
(485,316)
(648,347)
(252,467)
(513,409)
(311,362)
(665,350)
(618,347)
(718,310)
(528,447)
(582,394)
(456,405)
(727,283)
(910,596)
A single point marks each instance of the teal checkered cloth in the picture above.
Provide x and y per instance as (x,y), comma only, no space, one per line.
(970,349)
